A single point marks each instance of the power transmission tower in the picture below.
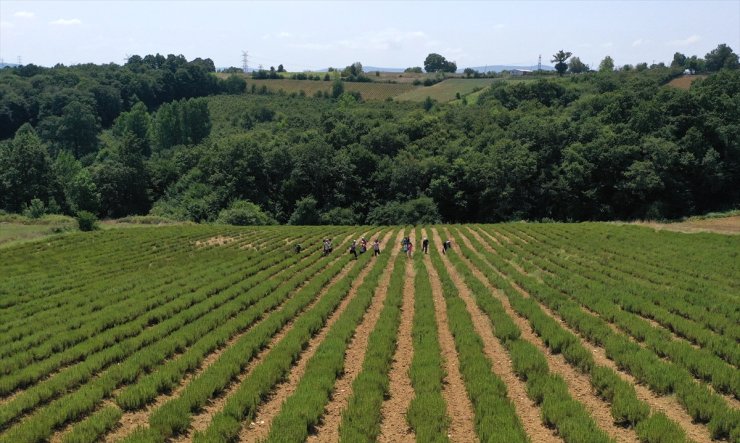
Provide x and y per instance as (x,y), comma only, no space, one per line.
(245,61)
(539,63)
(19,61)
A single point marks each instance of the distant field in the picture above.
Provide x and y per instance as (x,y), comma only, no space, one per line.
(446,90)
(369,91)
(685,81)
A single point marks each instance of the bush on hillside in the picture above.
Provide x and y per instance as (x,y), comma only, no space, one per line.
(87,221)
(244,213)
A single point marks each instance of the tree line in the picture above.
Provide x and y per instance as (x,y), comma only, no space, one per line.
(597,146)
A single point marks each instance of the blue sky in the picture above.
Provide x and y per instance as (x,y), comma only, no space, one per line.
(311,35)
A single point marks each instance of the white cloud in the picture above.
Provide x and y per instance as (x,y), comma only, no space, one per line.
(66,22)
(637,42)
(690,40)
(284,35)
(24,14)
(498,26)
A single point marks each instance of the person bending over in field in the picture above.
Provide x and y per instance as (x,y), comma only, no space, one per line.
(298,248)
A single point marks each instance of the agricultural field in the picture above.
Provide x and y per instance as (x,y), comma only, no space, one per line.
(587,332)
(447,90)
(368,91)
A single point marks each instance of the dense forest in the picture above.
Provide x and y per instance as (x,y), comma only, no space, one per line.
(166,136)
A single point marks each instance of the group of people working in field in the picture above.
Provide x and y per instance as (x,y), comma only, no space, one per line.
(407,247)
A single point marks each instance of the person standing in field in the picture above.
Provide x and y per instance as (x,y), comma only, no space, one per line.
(425,245)
(410,249)
(353,248)
(404,244)
(376,248)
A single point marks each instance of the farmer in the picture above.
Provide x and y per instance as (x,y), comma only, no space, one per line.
(410,249)
(376,248)
(353,248)
(425,245)
(447,245)
(297,248)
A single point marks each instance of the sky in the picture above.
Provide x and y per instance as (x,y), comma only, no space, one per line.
(311,35)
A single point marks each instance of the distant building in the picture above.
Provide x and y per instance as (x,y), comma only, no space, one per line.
(519,72)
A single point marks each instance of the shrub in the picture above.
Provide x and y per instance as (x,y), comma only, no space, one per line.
(87,221)
(36,209)
(244,213)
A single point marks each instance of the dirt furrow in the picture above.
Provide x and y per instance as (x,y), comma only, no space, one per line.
(459,408)
(394,428)
(516,389)
(668,405)
(259,428)
(328,429)
(578,383)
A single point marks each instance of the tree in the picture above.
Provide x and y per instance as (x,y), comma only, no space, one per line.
(576,66)
(721,57)
(337,88)
(679,61)
(306,212)
(244,213)
(77,129)
(83,193)
(470,72)
(413,70)
(606,65)
(25,170)
(437,63)
(695,64)
(281,68)
(137,122)
(561,58)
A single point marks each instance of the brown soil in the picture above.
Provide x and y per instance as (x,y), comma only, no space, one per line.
(459,408)
(131,420)
(218,240)
(669,405)
(578,383)
(328,429)
(724,225)
(516,389)
(684,82)
(259,428)
(394,428)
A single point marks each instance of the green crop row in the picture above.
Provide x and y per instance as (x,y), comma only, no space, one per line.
(103,294)
(626,408)
(427,412)
(495,416)
(614,305)
(166,338)
(361,420)
(36,288)
(549,391)
(654,302)
(698,287)
(662,377)
(243,403)
(167,375)
(303,409)
(134,315)
(90,429)
(166,322)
